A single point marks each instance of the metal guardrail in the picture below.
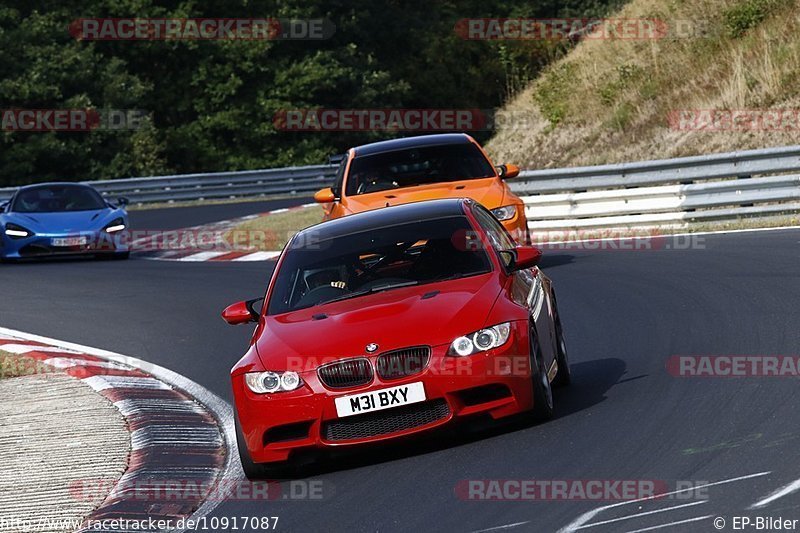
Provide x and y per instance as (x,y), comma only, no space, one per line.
(184,187)
(670,192)
(648,193)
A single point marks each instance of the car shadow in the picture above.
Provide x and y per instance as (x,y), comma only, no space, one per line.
(49,260)
(591,380)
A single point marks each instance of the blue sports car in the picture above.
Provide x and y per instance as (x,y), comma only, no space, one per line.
(62,219)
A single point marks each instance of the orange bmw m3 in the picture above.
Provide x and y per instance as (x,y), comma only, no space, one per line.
(428,167)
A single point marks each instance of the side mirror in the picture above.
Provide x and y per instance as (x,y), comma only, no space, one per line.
(241,312)
(324,196)
(525,257)
(122,201)
(508,171)
(3,206)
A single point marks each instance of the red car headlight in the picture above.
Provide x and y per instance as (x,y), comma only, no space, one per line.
(480,341)
(269,382)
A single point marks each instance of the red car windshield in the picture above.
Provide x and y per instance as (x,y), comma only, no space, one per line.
(417,166)
(317,272)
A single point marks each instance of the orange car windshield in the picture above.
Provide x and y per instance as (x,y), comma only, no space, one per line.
(416,166)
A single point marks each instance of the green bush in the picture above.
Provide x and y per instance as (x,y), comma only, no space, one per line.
(626,75)
(553,92)
(622,116)
(749,14)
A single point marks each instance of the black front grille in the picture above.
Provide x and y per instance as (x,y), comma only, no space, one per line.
(386,422)
(403,362)
(34,250)
(344,374)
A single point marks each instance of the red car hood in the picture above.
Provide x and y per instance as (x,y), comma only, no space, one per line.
(393,319)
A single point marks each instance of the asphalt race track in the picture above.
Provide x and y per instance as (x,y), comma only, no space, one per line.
(625,417)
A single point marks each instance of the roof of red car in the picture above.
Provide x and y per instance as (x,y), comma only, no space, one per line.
(377,218)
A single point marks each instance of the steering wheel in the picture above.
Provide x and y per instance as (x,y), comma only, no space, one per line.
(369,271)
(319,295)
(376,184)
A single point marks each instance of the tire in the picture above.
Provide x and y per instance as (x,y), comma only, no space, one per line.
(542,390)
(564,375)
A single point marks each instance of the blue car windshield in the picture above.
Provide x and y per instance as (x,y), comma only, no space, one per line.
(57,198)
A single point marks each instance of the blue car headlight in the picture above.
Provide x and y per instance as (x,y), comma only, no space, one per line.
(116,225)
(15,231)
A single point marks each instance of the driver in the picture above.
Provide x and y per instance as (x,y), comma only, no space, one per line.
(325,278)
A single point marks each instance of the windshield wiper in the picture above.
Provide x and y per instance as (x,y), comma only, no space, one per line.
(376,288)
(457,275)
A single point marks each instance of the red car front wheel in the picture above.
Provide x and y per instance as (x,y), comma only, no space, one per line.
(542,390)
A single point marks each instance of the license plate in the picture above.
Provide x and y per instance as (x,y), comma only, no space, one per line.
(376,400)
(69,241)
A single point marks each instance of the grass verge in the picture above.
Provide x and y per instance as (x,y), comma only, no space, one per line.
(272,232)
(15,365)
(617,99)
(215,201)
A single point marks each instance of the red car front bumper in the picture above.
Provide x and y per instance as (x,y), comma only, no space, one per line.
(496,383)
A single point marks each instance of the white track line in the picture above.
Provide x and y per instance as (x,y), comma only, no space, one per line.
(232,472)
(201,256)
(794,486)
(662,235)
(637,515)
(258,256)
(27,348)
(679,522)
(585,517)
(499,528)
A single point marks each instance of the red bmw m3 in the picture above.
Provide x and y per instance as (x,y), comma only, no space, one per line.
(392,322)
